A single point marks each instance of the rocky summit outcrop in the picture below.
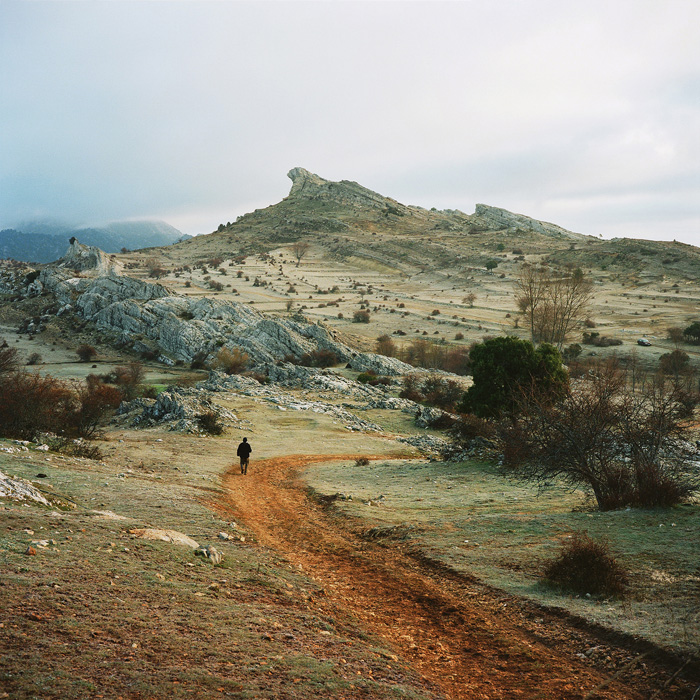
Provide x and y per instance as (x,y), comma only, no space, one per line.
(82,258)
(310,186)
(496,219)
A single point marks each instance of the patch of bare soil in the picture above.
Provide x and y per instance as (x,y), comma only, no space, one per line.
(467,640)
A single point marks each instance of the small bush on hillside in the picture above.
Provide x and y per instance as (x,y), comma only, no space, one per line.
(75,448)
(585,566)
(468,427)
(674,362)
(85,352)
(319,358)
(361,462)
(199,361)
(97,400)
(34,358)
(32,403)
(433,391)
(9,358)
(128,378)
(210,423)
(600,341)
(361,316)
(231,361)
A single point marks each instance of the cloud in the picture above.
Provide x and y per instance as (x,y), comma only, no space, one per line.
(187,110)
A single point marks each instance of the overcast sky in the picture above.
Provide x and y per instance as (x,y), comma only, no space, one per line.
(582,113)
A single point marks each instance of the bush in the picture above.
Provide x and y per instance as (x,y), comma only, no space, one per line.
(571,352)
(433,391)
(210,423)
(692,333)
(128,378)
(34,358)
(468,427)
(599,341)
(31,404)
(231,361)
(366,377)
(506,367)
(361,462)
(199,361)
(586,566)
(85,352)
(319,358)
(9,358)
(96,401)
(75,448)
(675,362)
(361,316)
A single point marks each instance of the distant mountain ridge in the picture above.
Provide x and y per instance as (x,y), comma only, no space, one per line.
(46,241)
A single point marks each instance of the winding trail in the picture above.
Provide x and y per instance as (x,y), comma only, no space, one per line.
(469,641)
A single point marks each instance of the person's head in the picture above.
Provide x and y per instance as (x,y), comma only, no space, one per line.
(245,439)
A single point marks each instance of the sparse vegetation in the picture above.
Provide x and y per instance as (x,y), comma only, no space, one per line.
(319,358)
(210,423)
(231,360)
(629,446)
(361,316)
(586,566)
(86,352)
(554,304)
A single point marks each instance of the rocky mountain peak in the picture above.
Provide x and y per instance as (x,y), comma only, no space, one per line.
(308,185)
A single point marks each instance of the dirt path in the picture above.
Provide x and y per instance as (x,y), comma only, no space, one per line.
(467,640)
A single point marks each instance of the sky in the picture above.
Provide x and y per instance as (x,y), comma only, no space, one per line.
(584,114)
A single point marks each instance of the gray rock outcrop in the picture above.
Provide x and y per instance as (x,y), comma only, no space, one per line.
(494,218)
(146,315)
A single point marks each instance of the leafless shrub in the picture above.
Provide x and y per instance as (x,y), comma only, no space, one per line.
(231,361)
(587,566)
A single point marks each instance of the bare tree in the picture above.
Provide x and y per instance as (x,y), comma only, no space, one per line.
(553,303)
(9,358)
(385,346)
(629,447)
(300,249)
(469,299)
(155,268)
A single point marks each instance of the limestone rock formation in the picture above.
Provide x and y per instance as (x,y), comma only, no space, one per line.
(311,186)
(83,258)
(494,218)
(146,316)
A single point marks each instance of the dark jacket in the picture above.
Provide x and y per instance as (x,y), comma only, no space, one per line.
(244,450)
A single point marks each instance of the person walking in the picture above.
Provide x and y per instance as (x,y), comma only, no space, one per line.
(243,451)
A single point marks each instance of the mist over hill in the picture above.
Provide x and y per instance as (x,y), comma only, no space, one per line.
(44,241)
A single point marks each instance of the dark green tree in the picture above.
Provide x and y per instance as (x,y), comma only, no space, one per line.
(507,368)
(692,332)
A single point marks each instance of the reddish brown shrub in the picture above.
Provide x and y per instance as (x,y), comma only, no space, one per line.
(585,566)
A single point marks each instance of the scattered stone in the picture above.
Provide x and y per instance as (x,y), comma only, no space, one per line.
(20,490)
(171,536)
(209,552)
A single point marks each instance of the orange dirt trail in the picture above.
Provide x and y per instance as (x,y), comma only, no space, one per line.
(467,640)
